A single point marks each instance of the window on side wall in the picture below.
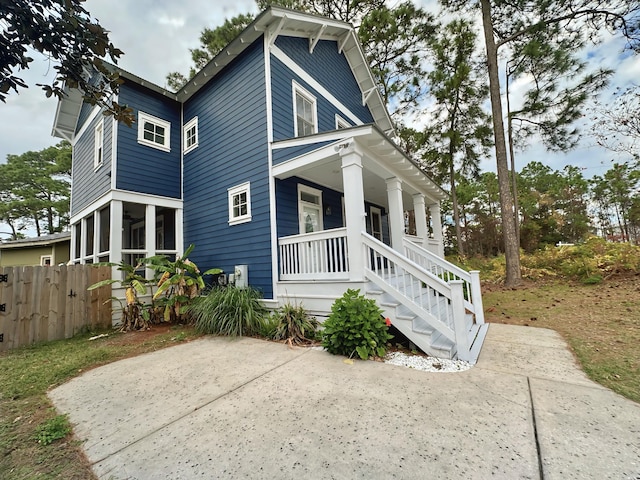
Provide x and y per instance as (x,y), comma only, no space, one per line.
(190,135)
(154,132)
(239,204)
(305,112)
(341,123)
(98,146)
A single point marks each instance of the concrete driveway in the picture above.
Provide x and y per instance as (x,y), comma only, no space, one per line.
(246,408)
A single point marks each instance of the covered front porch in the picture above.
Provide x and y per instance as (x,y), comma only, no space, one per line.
(370,243)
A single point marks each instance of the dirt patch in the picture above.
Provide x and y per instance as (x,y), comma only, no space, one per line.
(600,322)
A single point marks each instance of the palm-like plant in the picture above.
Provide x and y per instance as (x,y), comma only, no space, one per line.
(179,282)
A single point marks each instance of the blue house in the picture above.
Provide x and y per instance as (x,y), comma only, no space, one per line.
(277,161)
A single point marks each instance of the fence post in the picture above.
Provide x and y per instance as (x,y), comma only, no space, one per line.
(476,296)
(459,321)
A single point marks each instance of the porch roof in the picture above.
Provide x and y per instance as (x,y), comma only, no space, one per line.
(382,159)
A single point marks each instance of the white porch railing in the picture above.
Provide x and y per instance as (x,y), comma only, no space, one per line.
(438,303)
(447,272)
(314,256)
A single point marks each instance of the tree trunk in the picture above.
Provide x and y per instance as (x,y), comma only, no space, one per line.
(454,200)
(511,249)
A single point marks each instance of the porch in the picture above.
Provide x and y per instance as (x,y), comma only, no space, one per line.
(370,244)
(435,304)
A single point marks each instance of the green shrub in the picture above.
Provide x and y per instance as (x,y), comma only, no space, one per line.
(294,325)
(269,326)
(355,326)
(53,429)
(229,311)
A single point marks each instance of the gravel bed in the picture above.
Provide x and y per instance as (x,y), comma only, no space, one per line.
(420,362)
(426,364)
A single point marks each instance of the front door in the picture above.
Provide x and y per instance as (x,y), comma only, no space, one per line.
(310,211)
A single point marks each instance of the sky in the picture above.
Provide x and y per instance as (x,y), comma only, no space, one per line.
(156,36)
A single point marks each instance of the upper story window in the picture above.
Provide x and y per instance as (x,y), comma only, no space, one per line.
(190,135)
(305,112)
(153,131)
(98,146)
(341,123)
(240,204)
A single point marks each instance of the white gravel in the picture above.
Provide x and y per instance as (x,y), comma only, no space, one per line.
(420,362)
(426,364)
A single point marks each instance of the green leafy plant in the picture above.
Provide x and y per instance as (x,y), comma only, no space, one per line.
(53,429)
(180,281)
(135,316)
(293,324)
(355,325)
(229,311)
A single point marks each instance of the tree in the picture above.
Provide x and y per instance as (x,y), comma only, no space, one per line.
(616,125)
(36,189)
(458,132)
(212,42)
(617,193)
(555,22)
(64,32)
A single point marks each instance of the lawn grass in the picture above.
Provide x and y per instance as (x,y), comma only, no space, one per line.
(601,323)
(26,374)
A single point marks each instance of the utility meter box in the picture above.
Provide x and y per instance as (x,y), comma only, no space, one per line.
(241,275)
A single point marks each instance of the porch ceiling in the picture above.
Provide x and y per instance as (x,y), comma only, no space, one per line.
(381,160)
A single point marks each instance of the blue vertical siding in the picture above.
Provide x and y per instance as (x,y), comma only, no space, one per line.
(232,149)
(144,169)
(87,183)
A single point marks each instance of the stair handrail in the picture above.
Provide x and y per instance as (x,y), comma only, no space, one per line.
(437,284)
(471,280)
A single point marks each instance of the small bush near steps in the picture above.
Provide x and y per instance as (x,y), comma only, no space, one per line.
(355,326)
(292,324)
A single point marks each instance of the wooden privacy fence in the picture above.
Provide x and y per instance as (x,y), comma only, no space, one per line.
(38,304)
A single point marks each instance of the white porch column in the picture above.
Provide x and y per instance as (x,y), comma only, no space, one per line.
(396,212)
(436,225)
(115,242)
(422,230)
(150,236)
(354,210)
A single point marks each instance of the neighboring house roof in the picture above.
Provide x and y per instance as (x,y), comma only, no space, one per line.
(41,241)
(274,21)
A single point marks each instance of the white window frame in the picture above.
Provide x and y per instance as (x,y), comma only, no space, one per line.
(43,260)
(341,123)
(233,192)
(301,203)
(299,90)
(188,126)
(145,117)
(98,147)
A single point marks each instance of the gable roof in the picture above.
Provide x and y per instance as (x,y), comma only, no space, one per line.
(272,22)
(42,241)
(281,21)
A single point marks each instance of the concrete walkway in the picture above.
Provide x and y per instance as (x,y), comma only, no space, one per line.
(220,408)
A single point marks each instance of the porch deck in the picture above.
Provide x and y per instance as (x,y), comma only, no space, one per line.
(435,304)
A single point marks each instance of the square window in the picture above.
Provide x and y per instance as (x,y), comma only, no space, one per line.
(190,135)
(153,132)
(305,112)
(239,204)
